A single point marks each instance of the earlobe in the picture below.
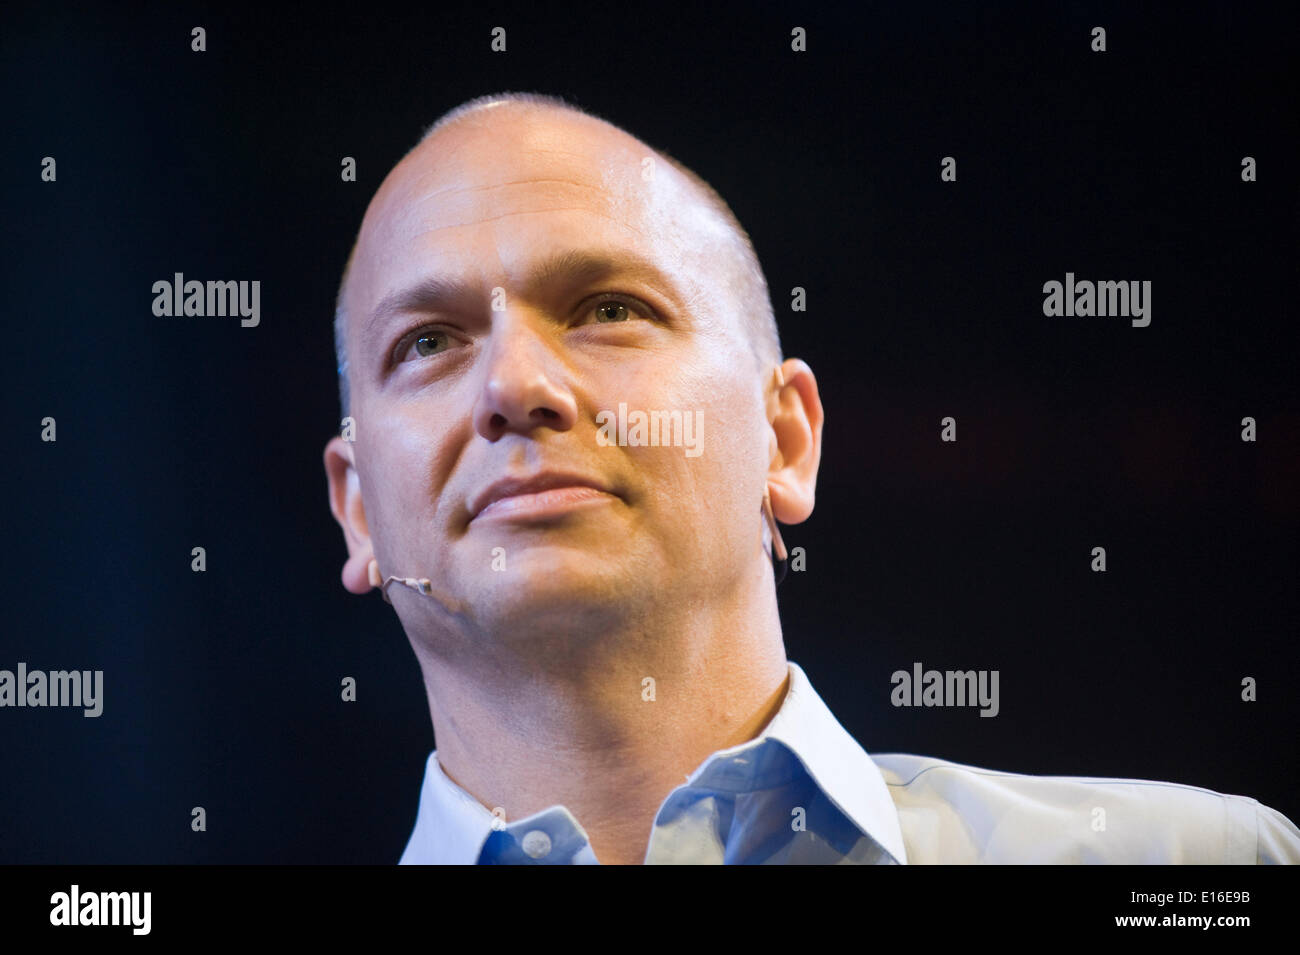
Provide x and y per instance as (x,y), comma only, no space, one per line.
(349,511)
(357,576)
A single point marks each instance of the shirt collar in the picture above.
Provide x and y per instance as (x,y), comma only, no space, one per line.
(452,826)
(836,763)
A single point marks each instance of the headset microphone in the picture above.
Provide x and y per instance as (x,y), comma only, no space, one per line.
(780,557)
(420,584)
(780,565)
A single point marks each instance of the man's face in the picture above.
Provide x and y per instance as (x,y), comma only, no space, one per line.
(500,367)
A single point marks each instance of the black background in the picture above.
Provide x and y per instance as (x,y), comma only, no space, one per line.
(221,689)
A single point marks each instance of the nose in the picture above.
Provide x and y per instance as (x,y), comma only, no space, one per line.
(523,383)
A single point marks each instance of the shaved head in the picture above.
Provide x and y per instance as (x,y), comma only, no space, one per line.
(738,273)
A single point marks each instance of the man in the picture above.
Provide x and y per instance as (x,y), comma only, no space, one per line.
(572,436)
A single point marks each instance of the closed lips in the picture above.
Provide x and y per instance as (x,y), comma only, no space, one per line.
(513,487)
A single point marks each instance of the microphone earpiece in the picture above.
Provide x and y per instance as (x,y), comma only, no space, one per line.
(421,584)
(780,564)
(780,557)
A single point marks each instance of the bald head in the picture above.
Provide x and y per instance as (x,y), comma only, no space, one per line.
(701,217)
(524,276)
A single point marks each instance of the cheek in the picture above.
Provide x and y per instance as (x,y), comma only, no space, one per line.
(715,477)
(400,457)
(734,425)
(733,462)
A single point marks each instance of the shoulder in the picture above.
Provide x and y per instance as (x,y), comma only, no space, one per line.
(955,813)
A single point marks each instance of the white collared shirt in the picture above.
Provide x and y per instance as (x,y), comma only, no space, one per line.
(805,792)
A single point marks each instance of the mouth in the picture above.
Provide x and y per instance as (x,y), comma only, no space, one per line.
(541,496)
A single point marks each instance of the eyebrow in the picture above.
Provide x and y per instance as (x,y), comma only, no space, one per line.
(572,267)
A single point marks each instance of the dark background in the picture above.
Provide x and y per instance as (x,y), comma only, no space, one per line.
(222,689)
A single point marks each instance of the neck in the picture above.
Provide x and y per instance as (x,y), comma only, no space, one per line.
(608,724)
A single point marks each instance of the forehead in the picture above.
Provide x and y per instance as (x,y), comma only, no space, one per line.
(488,196)
(510,161)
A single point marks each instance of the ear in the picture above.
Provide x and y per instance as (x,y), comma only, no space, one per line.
(350,512)
(795,415)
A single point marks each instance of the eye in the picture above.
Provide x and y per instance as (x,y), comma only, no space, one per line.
(426,342)
(610,309)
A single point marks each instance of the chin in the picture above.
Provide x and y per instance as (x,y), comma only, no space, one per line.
(534,597)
